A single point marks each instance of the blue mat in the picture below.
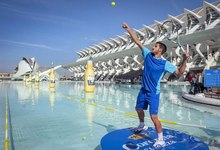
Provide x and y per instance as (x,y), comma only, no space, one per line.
(144,140)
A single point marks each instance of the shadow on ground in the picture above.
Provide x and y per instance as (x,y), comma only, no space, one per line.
(109,128)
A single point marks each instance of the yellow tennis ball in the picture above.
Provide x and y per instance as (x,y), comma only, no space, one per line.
(84,138)
(113,3)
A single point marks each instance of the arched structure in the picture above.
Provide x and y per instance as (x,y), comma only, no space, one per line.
(199,33)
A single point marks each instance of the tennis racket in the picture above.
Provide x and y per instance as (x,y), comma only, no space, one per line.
(170,27)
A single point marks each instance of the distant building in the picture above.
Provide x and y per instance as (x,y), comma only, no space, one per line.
(25,66)
(29,66)
(3,75)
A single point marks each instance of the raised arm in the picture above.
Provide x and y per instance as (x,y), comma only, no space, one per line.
(133,35)
(182,68)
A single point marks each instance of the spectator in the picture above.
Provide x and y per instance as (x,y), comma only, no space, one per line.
(194,86)
(200,83)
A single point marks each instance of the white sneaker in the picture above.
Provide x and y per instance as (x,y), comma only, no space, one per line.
(159,143)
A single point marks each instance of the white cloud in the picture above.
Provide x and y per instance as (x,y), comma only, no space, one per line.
(34,45)
(38,16)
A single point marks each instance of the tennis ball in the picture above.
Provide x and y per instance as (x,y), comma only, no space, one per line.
(113,3)
(84,138)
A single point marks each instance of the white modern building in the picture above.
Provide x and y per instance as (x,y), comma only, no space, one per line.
(25,66)
(29,66)
(199,32)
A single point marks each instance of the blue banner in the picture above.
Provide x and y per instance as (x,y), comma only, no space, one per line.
(212,78)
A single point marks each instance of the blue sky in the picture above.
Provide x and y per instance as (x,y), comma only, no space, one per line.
(53,30)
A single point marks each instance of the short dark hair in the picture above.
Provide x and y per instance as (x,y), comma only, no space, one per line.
(163,46)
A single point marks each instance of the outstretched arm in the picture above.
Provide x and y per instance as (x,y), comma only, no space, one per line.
(133,35)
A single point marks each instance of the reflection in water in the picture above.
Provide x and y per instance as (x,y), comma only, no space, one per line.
(179,114)
(123,98)
(27,93)
(52,98)
(76,89)
(24,91)
(89,97)
(36,94)
(116,96)
(110,94)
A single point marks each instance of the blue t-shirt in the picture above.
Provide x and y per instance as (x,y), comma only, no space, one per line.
(154,69)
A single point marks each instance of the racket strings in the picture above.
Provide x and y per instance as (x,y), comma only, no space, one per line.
(166,30)
(170,27)
(173,34)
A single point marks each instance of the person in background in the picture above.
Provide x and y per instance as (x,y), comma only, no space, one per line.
(200,82)
(195,84)
(191,80)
